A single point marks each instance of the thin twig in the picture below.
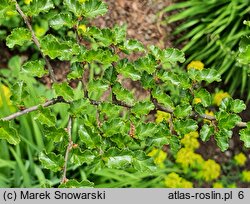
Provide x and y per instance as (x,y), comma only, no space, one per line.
(69,147)
(35,40)
(33,108)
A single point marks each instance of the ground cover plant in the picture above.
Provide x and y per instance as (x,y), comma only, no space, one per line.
(211,32)
(88,130)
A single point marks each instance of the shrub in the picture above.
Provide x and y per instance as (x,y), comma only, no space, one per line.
(89,124)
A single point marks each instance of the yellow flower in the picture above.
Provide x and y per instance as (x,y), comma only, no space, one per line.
(240,159)
(82,1)
(173,180)
(210,170)
(161,116)
(187,158)
(82,28)
(190,140)
(245,175)
(159,156)
(27,1)
(197,100)
(195,65)
(4,95)
(207,112)
(219,96)
(218,185)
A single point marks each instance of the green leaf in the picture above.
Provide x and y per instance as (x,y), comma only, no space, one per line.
(128,70)
(172,55)
(144,130)
(88,9)
(115,126)
(52,161)
(89,137)
(206,132)
(35,68)
(38,6)
(174,143)
(72,183)
(55,48)
(245,136)
(109,110)
(18,36)
(76,72)
(118,159)
(61,20)
(146,63)
(96,89)
(19,92)
(82,107)
(162,97)
(183,127)
(7,132)
(231,105)
(6,6)
(142,162)
(119,33)
(55,134)
(208,75)
(82,157)
(64,90)
(222,138)
(123,94)
(45,117)
(132,46)
(142,108)
(182,111)
(227,120)
(205,96)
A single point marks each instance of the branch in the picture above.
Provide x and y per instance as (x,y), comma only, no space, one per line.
(34,108)
(69,147)
(35,40)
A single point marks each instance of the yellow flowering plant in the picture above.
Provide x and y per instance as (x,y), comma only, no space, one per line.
(240,159)
(173,180)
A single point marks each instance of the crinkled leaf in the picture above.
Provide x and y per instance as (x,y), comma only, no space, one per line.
(119,33)
(206,132)
(227,120)
(205,96)
(146,63)
(76,72)
(61,20)
(64,90)
(81,107)
(55,134)
(19,92)
(162,97)
(96,89)
(55,48)
(144,130)
(38,6)
(235,106)
(172,55)
(183,127)
(7,132)
(18,36)
(132,46)
(208,75)
(128,70)
(123,94)
(35,68)
(174,143)
(82,157)
(52,161)
(5,7)
(182,111)
(142,108)
(244,50)
(222,138)
(89,137)
(115,126)
(245,136)
(142,162)
(72,183)
(45,117)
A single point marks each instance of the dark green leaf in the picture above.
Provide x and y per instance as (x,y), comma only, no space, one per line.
(147,64)
(82,157)
(38,6)
(128,70)
(96,89)
(162,98)
(222,138)
(205,96)
(145,130)
(142,108)
(183,127)
(61,20)
(75,184)
(89,137)
(208,75)
(123,94)
(245,136)
(45,117)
